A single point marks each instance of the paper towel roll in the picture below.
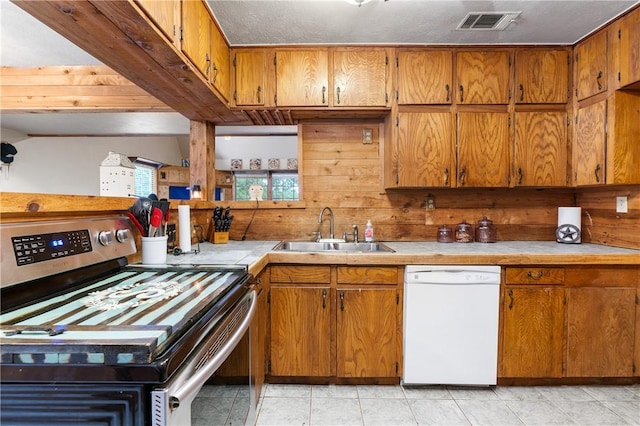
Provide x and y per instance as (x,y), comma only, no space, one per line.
(184,228)
(570,216)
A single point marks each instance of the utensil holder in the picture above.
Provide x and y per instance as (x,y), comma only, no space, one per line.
(220,237)
(154,250)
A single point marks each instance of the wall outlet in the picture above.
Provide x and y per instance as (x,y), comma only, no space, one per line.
(621,205)
(431,202)
(367,136)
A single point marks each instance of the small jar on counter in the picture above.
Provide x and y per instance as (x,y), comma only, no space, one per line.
(486,231)
(445,234)
(464,233)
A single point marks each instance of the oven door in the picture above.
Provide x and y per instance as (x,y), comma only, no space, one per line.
(171,401)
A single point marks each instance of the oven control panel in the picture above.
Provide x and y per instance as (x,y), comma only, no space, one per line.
(41,247)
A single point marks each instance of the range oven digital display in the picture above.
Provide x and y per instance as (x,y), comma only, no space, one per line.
(40,247)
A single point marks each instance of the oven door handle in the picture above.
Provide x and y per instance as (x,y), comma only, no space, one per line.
(197,380)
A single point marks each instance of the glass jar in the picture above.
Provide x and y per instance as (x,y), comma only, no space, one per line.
(445,234)
(464,233)
(486,231)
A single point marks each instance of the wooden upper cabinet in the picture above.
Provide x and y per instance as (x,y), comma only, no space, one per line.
(219,75)
(424,149)
(629,39)
(589,150)
(542,76)
(483,149)
(425,77)
(302,77)
(250,66)
(591,66)
(196,35)
(359,77)
(163,13)
(483,77)
(541,149)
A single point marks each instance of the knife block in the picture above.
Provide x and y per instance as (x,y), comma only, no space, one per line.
(220,237)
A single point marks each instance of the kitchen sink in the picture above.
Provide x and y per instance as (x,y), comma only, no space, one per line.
(308,246)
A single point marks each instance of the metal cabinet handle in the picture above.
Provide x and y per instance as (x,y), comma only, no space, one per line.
(520,175)
(446,176)
(324,91)
(259,92)
(208,59)
(461,93)
(510,299)
(342,300)
(521,87)
(215,73)
(448,93)
(338,95)
(597,172)
(324,298)
(599,80)
(536,276)
(463,175)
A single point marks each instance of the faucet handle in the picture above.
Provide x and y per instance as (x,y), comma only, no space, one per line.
(318,235)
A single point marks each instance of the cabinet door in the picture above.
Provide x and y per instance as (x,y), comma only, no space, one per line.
(600,332)
(542,76)
(424,77)
(301,331)
(250,68)
(424,149)
(359,77)
(591,66)
(630,48)
(163,14)
(219,75)
(483,149)
(302,77)
(196,35)
(588,157)
(484,77)
(258,336)
(533,332)
(366,333)
(541,149)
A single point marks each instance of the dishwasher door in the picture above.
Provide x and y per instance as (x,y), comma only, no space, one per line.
(451,324)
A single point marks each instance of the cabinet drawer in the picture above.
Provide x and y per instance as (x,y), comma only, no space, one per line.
(300,274)
(535,275)
(367,275)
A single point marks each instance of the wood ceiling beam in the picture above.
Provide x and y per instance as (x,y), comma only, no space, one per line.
(72,88)
(119,35)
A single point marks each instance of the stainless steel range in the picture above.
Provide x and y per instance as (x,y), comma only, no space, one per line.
(86,337)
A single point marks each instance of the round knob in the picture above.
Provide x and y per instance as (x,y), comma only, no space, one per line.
(122,235)
(105,238)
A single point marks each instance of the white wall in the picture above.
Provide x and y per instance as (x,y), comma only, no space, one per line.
(71,165)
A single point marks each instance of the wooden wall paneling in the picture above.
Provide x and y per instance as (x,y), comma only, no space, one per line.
(202,157)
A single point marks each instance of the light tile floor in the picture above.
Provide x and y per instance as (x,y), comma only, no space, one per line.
(344,405)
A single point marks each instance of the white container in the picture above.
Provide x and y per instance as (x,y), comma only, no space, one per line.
(368,232)
(154,250)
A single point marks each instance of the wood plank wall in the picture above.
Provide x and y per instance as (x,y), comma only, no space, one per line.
(341,172)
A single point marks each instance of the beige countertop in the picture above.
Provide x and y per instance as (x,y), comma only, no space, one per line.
(257,254)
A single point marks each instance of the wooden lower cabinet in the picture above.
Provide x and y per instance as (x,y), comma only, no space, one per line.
(258,335)
(600,332)
(301,331)
(366,334)
(334,321)
(533,332)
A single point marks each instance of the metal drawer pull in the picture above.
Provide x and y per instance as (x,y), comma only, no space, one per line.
(324,298)
(511,299)
(536,276)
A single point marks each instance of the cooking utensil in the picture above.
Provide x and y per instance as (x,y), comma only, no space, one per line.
(155,222)
(136,223)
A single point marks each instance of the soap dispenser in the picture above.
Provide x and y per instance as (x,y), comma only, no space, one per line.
(368,232)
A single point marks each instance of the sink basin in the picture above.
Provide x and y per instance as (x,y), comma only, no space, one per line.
(308,246)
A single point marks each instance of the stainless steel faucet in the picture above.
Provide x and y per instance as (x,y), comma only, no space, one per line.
(331,235)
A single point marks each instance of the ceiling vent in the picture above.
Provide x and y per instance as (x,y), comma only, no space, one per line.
(496,21)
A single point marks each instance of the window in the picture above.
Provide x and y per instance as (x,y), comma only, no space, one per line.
(145,176)
(276,185)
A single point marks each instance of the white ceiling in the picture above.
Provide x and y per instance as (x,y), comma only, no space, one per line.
(25,42)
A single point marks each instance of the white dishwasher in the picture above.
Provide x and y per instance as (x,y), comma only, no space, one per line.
(451,324)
